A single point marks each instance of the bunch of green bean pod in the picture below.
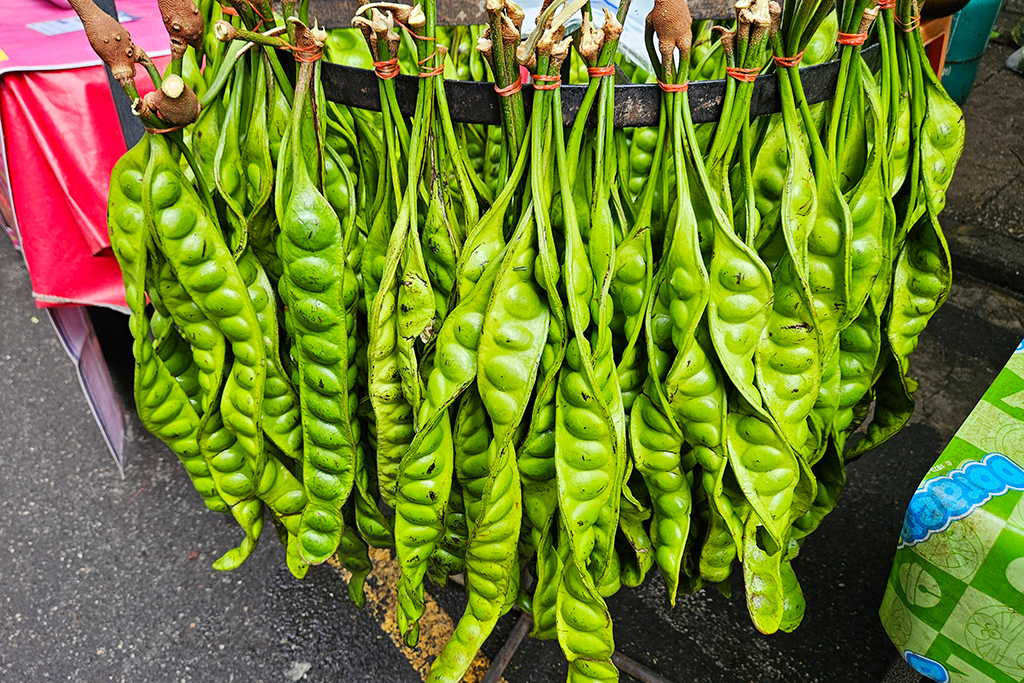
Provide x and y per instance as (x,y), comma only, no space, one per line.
(548,357)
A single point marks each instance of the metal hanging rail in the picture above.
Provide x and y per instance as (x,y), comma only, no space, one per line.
(635,105)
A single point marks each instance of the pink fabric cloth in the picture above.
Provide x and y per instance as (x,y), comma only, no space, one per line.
(60,140)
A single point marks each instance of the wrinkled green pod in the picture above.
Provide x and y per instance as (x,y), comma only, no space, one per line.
(312,252)
(193,245)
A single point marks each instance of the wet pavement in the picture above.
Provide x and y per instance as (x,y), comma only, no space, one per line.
(993,158)
(109,579)
(984,215)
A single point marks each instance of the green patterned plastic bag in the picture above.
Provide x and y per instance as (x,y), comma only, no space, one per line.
(954,604)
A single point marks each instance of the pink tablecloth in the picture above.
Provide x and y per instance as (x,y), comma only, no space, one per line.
(59,139)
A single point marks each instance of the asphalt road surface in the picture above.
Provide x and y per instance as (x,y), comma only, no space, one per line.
(109,579)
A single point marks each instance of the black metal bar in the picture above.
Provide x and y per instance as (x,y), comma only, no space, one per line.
(636,669)
(505,654)
(523,626)
(339,13)
(131,126)
(635,105)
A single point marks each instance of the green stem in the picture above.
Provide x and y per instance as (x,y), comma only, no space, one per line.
(220,79)
(505,68)
(260,39)
(604,58)
(288,10)
(280,77)
(179,141)
(147,63)
(812,26)
(173,68)
(645,202)
(749,207)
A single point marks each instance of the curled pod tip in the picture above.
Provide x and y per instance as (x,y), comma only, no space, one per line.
(366,26)
(184,24)
(417,19)
(307,40)
(384,27)
(591,40)
(515,13)
(728,40)
(869,18)
(525,56)
(611,26)
(401,12)
(379,21)
(510,32)
(484,46)
(559,52)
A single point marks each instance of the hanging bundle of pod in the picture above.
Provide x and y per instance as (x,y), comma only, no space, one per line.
(547,356)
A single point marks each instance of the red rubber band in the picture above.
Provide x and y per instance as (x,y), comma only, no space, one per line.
(887,4)
(599,71)
(674,87)
(542,82)
(851,38)
(387,69)
(742,75)
(789,61)
(230,11)
(510,90)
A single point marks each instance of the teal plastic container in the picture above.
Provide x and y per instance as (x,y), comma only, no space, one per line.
(968,39)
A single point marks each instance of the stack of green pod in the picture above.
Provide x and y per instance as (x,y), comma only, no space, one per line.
(544,356)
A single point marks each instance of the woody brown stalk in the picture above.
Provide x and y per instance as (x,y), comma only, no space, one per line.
(184,23)
(174,101)
(110,41)
(670,19)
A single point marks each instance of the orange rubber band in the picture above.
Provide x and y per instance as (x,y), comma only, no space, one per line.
(599,71)
(387,69)
(542,82)
(161,131)
(742,75)
(309,54)
(789,61)
(674,87)
(851,38)
(412,33)
(887,4)
(510,90)
(436,71)
(910,26)
(259,13)
(230,11)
